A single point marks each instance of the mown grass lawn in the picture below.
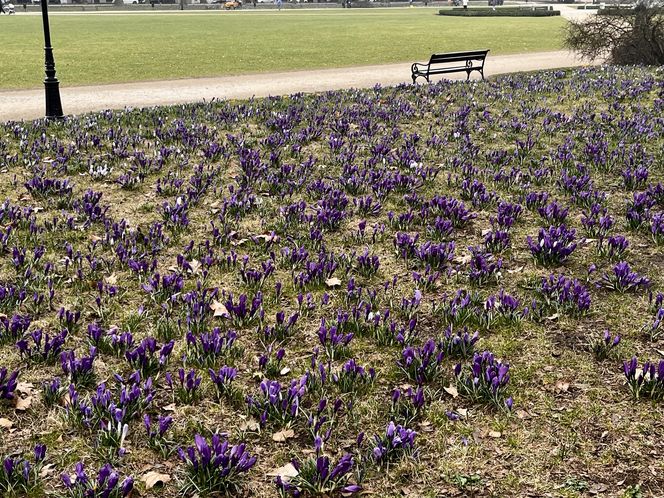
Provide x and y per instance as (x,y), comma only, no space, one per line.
(103,48)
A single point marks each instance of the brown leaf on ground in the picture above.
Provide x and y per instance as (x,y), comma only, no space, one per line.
(268,237)
(283,435)
(22,404)
(286,471)
(250,425)
(219,309)
(5,423)
(47,470)
(25,388)
(333,282)
(153,478)
(195,266)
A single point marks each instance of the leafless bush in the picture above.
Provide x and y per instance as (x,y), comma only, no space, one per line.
(622,35)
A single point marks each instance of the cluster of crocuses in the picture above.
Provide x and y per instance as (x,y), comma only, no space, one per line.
(647,380)
(397,441)
(354,378)
(148,357)
(604,345)
(19,477)
(8,383)
(319,476)
(277,404)
(562,293)
(623,279)
(470,308)
(107,483)
(215,466)
(655,328)
(485,381)
(423,364)
(553,245)
(327,200)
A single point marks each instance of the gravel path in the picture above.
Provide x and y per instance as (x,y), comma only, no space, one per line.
(29,104)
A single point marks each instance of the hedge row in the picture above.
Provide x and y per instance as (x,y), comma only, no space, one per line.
(499,12)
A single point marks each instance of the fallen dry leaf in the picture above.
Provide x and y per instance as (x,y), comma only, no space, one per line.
(111,279)
(257,375)
(250,425)
(152,478)
(169,408)
(425,426)
(25,388)
(562,387)
(494,434)
(463,259)
(195,266)
(333,282)
(219,309)
(22,404)
(47,470)
(286,471)
(5,423)
(283,435)
(522,414)
(268,237)
(451,390)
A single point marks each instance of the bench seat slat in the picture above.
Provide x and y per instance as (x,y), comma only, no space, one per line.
(453,59)
(458,69)
(475,53)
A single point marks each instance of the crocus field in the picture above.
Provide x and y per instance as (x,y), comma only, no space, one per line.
(441,290)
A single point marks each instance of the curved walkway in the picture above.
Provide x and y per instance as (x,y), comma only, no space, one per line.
(29,104)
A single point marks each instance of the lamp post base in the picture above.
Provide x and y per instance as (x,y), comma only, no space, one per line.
(51,83)
(53,103)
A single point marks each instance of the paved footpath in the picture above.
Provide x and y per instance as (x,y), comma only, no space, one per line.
(29,104)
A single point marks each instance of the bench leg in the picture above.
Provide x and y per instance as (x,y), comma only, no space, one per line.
(414,78)
(482,73)
(468,71)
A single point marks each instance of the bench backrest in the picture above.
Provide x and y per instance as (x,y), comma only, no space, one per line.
(458,56)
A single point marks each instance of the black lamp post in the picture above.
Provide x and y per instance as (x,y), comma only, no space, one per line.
(51,83)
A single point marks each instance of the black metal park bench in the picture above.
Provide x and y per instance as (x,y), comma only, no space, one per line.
(451,63)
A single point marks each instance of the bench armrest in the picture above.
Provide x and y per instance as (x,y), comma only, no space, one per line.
(415,68)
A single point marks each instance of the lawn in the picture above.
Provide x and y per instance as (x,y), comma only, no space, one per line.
(471,261)
(103,48)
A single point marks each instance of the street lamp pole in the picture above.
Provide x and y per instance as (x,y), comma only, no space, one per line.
(51,83)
